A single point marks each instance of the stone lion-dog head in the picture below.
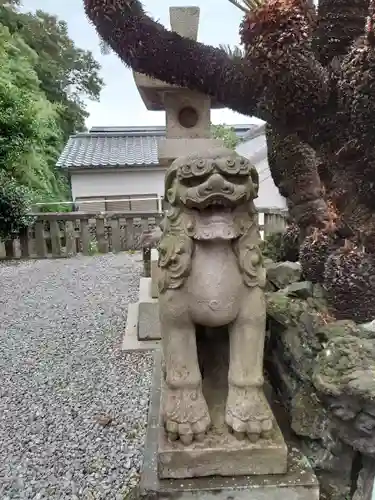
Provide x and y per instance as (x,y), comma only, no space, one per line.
(211,197)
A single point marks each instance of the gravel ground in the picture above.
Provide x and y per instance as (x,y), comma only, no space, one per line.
(72,406)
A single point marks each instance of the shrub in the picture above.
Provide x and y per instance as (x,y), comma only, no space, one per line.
(282,246)
(271,246)
(15,206)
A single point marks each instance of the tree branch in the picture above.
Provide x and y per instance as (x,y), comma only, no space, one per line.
(149,48)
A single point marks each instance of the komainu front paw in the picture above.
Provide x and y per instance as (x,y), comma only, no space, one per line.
(186,415)
(248,413)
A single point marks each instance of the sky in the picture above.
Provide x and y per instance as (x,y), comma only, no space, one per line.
(120,103)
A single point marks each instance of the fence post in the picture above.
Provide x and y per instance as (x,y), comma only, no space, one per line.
(85,236)
(115,235)
(100,235)
(40,242)
(55,238)
(70,238)
(130,239)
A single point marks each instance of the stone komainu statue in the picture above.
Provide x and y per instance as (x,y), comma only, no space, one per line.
(211,274)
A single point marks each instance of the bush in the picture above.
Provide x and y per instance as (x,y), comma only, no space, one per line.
(15,206)
(290,244)
(271,246)
(282,246)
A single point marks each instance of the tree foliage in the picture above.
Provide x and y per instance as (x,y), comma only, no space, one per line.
(227,134)
(30,137)
(66,73)
(311,76)
(15,204)
(43,81)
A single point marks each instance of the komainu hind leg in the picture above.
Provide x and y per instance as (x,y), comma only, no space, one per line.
(247,410)
(185,410)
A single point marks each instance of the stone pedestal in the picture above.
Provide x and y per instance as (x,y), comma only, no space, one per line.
(220,453)
(297,483)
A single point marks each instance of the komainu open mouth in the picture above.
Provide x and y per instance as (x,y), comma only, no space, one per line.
(216,203)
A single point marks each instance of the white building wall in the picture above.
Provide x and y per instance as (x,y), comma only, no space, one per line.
(117,183)
(256,151)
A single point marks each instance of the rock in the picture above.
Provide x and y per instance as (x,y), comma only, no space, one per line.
(269,287)
(298,353)
(344,377)
(299,331)
(310,422)
(283,379)
(324,373)
(282,274)
(345,362)
(267,262)
(308,417)
(283,309)
(293,311)
(365,483)
(332,461)
(368,329)
(329,453)
(104,420)
(340,328)
(301,290)
(318,291)
(334,485)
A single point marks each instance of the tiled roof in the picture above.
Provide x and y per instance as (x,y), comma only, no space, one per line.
(118,147)
(109,150)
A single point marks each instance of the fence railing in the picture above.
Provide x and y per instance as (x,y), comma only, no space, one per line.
(64,234)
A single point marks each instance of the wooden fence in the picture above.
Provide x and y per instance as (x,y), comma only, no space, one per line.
(56,235)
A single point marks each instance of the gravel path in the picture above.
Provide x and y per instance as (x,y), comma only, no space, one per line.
(72,406)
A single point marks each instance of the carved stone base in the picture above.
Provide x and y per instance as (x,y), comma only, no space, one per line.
(298,483)
(220,453)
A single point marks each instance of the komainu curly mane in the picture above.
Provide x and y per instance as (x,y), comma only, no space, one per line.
(176,247)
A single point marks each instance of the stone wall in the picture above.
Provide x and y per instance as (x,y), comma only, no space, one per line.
(324,373)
